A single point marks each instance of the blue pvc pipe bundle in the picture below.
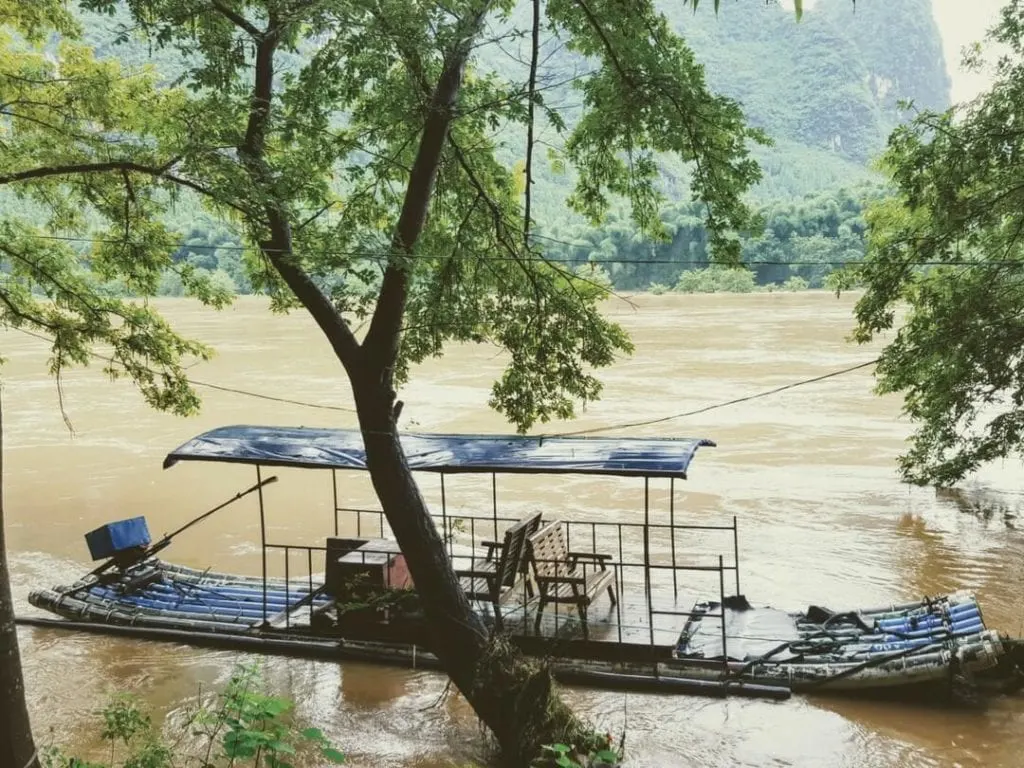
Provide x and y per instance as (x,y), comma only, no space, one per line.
(209,600)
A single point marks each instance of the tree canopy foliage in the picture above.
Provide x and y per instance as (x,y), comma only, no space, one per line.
(61,113)
(113,167)
(351,148)
(946,266)
(835,62)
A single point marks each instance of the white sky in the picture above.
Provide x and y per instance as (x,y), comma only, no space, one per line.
(962,22)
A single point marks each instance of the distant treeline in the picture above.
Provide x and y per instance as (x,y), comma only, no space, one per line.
(804,239)
(801,243)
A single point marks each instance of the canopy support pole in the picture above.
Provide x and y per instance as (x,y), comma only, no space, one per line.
(263,539)
(736,552)
(334,489)
(445,532)
(672,530)
(494,502)
(647,554)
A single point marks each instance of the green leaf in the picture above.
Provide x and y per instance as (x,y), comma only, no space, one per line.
(274,706)
(333,755)
(798,6)
(313,734)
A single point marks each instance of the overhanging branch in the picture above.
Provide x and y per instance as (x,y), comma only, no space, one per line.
(118,166)
(237,19)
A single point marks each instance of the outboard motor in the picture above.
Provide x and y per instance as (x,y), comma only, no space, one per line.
(125,542)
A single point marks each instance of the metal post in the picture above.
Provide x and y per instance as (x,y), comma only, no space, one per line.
(647,554)
(334,487)
(621,584)
(263,541)
(721,592)
(445,533)
(672,532)
(309,564)
(287,595)
(736,553)
(494,502)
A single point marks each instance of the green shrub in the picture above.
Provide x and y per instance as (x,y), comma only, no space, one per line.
(796,283)
(716,279)
(598,754)
(241,726)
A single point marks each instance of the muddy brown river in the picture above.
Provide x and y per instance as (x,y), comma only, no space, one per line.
(810,474)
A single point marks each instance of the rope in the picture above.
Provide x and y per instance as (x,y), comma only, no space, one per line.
(576,433)
(218,387)
(715,406)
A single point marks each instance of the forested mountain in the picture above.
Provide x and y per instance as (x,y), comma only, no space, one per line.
(826,90)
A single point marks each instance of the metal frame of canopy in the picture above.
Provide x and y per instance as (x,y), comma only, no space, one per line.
(342,449)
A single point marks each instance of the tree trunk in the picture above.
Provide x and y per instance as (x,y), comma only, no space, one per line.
(513,696)
(17,748)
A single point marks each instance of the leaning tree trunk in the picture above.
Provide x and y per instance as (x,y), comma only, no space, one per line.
(514,697)
(17,748)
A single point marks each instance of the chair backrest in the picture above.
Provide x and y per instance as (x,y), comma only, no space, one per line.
(548,551)
(513,551)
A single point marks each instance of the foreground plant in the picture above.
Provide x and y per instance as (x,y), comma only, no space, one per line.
(243,725)
(595,752)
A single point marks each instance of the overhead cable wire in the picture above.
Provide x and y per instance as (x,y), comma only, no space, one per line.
(713,406)
(575,433)
(218,387)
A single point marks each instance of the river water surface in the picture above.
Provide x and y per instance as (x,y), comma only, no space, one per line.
(810,474)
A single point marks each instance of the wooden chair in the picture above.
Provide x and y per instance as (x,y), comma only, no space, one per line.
(532,525)
(495,579)
(562,576)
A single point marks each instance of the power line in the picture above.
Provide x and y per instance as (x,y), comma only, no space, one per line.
(716,406)
(218,387)
(576,433)
(370,254)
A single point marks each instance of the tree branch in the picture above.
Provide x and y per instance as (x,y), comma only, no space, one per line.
(237,19)
(531,105)
(385,327)
(121,166)
(278,248)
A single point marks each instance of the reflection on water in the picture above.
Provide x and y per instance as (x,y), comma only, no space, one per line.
(810,474)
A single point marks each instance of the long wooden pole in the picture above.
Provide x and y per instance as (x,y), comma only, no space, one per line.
(17,747)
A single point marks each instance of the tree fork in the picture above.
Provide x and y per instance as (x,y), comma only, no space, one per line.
(511,696)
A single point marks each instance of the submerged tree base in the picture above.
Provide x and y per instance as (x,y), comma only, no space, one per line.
(537,727)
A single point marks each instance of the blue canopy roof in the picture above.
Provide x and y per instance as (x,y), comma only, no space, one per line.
(343,449)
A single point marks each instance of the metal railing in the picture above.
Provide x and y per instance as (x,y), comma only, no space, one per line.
(458,530)
(289,609)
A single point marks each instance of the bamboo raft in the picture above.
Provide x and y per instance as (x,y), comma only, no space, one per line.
(915,645)
(639,638)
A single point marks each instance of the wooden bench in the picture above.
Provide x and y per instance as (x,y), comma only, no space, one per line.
(496,579)
(566,577)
